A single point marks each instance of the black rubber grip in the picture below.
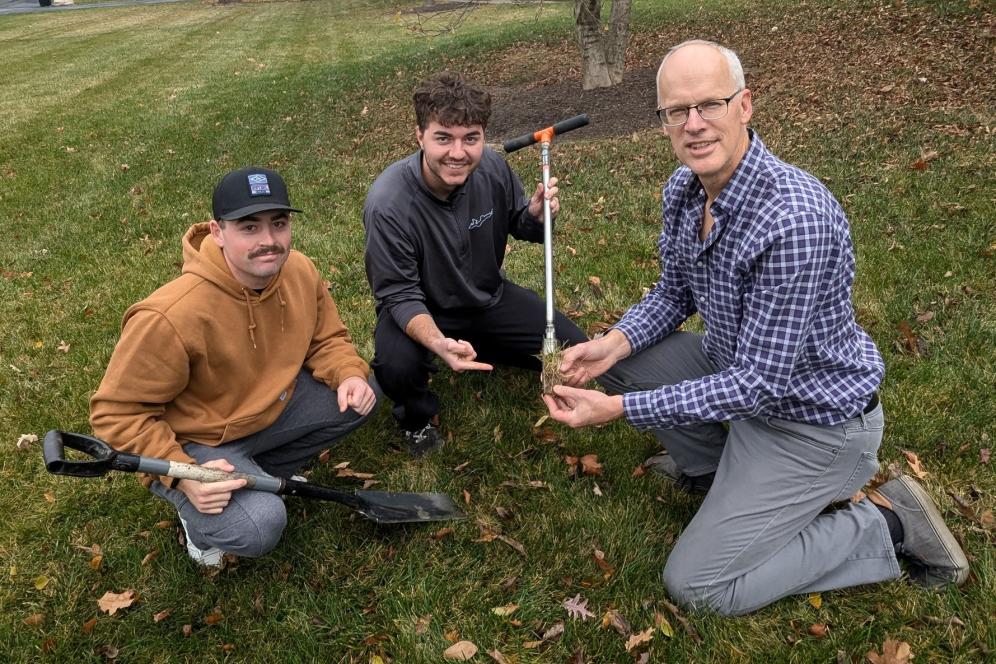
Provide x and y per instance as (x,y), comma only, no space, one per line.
(514,144)
(561,127)
(570,124)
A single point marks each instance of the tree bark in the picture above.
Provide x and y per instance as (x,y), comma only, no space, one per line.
(603,52)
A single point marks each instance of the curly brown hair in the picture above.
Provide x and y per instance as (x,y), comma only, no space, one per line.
(451,100)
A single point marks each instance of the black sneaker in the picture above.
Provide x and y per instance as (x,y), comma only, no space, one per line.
(426,440)
(927,543)
(662,464)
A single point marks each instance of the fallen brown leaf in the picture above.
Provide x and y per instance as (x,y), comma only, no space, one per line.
(160,616)
(110,602)
(590,464)
(554,632)
(506,610)
(34,619)
(893,652)
(607,568)
(615,620)
(422,624)
(914,463)
(441,533)
(89,625)
(497,656)
(819,630)
(638,640)
(689,628)
(460,651)
(215,617)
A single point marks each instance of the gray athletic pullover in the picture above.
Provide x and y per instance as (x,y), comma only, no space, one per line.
(424,254)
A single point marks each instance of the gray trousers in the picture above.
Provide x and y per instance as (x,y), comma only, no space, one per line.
(253,521)
(762,532)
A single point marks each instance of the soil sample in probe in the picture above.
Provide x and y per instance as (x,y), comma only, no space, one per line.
(551,375)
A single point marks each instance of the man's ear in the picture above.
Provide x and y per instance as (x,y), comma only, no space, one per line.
(419,136)
(746,106)
(215,229)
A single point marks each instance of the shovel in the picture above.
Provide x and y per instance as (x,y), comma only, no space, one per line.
(378,506)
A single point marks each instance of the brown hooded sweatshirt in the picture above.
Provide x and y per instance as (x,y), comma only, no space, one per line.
(204,359)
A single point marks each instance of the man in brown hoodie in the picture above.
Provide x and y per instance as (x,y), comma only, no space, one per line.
(241,363)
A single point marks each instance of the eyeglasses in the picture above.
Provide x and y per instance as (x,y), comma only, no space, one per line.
(713,109)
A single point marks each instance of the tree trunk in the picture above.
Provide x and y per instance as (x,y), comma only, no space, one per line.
(603,53)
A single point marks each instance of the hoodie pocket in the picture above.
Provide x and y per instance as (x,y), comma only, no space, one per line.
(240,428)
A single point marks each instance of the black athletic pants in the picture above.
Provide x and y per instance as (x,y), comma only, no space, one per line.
(510,332)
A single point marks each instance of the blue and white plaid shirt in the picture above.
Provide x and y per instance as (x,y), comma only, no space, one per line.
(772,282)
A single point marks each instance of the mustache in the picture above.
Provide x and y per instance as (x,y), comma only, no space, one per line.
(270,249)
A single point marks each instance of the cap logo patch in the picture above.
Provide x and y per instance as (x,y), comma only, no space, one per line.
(259,185)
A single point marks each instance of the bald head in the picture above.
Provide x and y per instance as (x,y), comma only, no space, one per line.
(700,86)
(694,56)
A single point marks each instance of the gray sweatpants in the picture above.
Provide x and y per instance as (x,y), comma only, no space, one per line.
(253,521)
(761,533)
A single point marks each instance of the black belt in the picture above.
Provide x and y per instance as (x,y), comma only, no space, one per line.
(872,403)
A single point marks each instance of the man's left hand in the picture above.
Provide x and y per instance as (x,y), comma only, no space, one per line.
(536,202)
(355,393)
(578,408)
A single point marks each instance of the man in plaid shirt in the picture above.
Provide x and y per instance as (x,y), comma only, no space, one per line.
(762,252)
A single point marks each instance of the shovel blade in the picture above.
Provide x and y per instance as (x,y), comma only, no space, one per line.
(391,507)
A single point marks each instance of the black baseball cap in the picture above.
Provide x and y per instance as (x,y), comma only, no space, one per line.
(248,191)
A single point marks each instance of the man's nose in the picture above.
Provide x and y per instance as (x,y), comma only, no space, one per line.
(694,121)
(457,150)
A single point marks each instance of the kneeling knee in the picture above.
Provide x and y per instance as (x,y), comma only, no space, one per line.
(260,532)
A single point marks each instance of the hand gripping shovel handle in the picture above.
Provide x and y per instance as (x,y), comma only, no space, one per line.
(379,506)
(547,133)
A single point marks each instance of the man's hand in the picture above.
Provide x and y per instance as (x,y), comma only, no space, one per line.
(578,408)
(591,359)
(211,497)
(458,354)
(355,393)
(536,202)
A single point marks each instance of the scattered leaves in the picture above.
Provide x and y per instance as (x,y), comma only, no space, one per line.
(607,568)
(460,651)
(89,625)
(160,616)
(63,346)
(41,582)
(422,624)
(110,602)
(816,600)
(577,607)
(689,628)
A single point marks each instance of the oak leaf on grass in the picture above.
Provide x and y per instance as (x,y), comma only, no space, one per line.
(110,602)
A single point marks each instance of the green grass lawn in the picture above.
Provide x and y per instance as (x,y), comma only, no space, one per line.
(115,125)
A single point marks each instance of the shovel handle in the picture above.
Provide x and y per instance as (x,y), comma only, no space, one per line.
(103,457)
(546,133)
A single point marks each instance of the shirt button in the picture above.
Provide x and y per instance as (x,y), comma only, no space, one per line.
(701,298)
(699,264)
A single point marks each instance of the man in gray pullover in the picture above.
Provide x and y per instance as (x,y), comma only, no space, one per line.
(437,223)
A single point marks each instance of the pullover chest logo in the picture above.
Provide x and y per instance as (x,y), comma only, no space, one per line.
(477,222)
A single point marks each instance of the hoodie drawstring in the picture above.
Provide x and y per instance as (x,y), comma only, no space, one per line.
(283,306)
(252,318)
